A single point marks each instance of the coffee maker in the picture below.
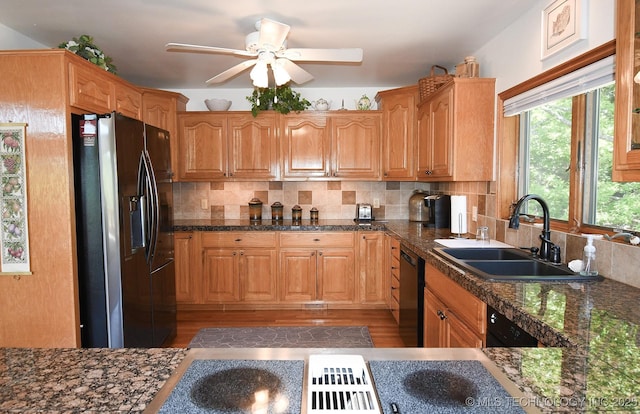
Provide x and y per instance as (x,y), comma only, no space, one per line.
(433,210)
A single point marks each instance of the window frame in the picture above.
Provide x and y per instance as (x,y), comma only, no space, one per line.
(509,137)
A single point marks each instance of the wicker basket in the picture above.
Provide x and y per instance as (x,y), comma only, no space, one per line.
(430,84)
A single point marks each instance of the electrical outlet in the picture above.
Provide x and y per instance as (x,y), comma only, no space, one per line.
(474,213)
(376,203)
(204,204)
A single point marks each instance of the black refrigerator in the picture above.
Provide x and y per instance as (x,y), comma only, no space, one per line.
(124,211)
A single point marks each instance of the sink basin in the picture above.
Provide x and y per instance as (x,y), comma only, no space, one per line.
(486,254)
(510,265)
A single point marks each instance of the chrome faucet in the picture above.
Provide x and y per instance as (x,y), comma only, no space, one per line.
(545,237)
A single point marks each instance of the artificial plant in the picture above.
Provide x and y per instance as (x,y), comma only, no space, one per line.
(280,98)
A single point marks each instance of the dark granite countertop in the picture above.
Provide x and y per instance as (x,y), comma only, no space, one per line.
(591,330)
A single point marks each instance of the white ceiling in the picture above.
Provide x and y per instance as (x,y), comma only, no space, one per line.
(401,39)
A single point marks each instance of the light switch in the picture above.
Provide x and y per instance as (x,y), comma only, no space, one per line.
(376,203)
(474,213)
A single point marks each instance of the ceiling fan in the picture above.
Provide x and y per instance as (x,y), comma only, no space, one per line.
(268,47)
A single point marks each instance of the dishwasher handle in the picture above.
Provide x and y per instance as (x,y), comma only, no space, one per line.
(413,261)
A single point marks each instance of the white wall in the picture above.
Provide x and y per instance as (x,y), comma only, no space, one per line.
(240,103)
(10,39)
(514,55)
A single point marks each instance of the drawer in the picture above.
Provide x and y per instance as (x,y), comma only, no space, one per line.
(457,299)
(395,289)
(395,249)
(312,239)
(238,239)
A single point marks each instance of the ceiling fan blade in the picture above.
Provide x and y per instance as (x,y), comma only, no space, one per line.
(297,74)
(182,47)
(324,55)
(272,34)
(231,72)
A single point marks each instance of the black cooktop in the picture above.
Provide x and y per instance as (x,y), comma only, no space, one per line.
(238,386)
(440,387)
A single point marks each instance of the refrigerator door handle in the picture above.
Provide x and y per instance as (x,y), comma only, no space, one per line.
(146,189)
(153,207)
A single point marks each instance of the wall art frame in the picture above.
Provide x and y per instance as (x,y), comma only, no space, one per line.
(14,222)
(563,24)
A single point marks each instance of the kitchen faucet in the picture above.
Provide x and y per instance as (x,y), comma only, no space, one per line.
(546,245)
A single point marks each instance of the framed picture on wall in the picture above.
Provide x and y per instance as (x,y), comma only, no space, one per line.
(563,24)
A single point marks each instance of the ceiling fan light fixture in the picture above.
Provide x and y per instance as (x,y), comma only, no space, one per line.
(280,74)
(259,74)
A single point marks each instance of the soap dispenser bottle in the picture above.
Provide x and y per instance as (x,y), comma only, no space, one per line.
(589,258)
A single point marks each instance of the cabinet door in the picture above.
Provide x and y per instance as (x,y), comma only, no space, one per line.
(203,146)
(220,276)
(252,146)
(128,101)
(442,130)
(436,331)
(398,130)
(336,268)
(356,146)
(305,146)
(187,281)
(424,168)
(258,273)
(459,335)
(297,269)
(371,256)
(89,90)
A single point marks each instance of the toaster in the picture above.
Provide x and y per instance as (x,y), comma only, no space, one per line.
(363,212)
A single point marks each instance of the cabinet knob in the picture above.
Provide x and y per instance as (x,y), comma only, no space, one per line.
(428,172)
(442,315)
(319,253)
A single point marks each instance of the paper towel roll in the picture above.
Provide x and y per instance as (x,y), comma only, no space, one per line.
(458,214)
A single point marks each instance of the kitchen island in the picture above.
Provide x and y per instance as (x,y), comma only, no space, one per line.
(591,362)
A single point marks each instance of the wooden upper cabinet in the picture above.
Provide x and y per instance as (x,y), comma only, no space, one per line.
(456,132)
(89,90)
(356,146)
(253,150)
(128,100)
(203,146)
(160,109)
(305,145)
(399,107)
(217,146)
(627,120)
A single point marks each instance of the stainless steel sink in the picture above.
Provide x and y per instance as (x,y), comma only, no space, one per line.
(510,265)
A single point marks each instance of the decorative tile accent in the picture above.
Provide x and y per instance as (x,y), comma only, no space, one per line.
(348,197)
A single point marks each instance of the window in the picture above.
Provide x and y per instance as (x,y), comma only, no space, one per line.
(576,131)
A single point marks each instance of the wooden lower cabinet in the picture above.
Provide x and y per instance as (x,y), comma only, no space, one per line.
(453,317)
(188,288)
(239,267)
(282,269)
(371,264)
(317,267)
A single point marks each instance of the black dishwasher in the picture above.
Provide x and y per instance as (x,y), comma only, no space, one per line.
(501,332)
(411,298)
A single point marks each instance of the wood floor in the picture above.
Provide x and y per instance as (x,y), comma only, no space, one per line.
(382,327)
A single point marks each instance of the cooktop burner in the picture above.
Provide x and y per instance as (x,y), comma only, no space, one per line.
(238,386)
(440,387)
(236,389)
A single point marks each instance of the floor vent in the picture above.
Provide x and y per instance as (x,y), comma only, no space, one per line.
(340,383)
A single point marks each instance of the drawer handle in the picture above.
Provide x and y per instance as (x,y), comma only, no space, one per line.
(442,315)
(316,240)
(238,240)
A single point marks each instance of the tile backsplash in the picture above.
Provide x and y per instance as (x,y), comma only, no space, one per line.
(337,200)
(333,199)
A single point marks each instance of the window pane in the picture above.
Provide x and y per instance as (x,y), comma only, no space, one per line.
(607,203)
(549,138)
